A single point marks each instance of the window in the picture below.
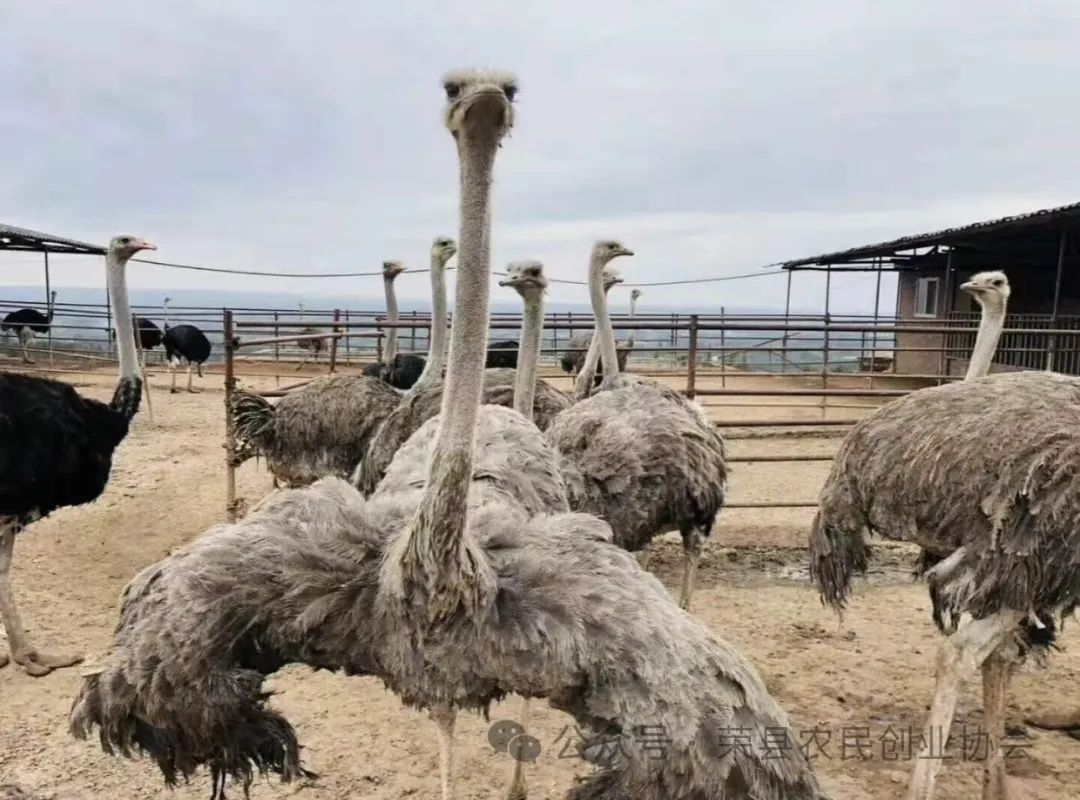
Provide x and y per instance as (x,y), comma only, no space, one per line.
(926,297)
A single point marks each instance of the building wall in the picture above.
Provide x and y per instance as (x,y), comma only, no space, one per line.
(919,363)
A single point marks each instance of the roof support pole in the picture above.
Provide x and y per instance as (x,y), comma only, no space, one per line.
(945,300)
(1051,345)
(787,321)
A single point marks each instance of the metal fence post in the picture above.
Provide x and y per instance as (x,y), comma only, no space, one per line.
(691,358)
(333,342)
(230,432)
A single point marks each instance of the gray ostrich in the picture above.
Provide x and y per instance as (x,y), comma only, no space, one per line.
(982,476)
(637,454)
(579,347)
(325,427)
(424,401)
(311,347)
(451,584)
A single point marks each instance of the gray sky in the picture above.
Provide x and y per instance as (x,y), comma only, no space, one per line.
(710,137)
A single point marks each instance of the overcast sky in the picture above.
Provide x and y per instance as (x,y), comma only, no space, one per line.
(711,137)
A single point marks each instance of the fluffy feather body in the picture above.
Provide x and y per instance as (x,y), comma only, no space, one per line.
(401,374)
(186,344)
(984,475)
(321,429)
(573,619)
(642,457)
(149,334)
(56,446)
(413,412)
(573,358)
(502,355)
(28,318)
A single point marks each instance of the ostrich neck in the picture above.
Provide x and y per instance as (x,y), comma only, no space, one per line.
(51,309)
(532,327)
(584,383)
(633,313)
(165,314)
(437,551)
(125,335)
(606,334)
(986,341)
(392,317)
(433,367)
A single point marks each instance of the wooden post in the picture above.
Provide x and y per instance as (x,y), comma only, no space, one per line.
(877,309)
(348,340)
(691,358)
(48,306)
(333,343)
(412,334)
(231,506)
(825,350)
(943,299)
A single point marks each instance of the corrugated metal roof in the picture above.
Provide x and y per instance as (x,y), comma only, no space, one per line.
(942,237)
(16,238)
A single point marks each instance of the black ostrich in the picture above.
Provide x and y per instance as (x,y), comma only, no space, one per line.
(56,450)
(184,344)
(26,323)
(149,333)
(401,373)
(502,354)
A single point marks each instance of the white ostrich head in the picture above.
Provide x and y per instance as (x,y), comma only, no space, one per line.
(475,98)
(526,278)
(391,269)
(611,277)
(126,246)
(608,249)
(635,294)
(443,249)
(990,289)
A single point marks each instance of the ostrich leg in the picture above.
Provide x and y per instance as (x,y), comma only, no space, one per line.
(35,663)
(517,790)
(25,339)
(172,372)
(190,388)
(959,655)
(693,543)
(996,672)
(444,717)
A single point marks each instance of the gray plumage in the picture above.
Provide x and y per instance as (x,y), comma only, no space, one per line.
(321,429)
(413,412)
(646,460)
(982,473)
(573,358)
(571,618)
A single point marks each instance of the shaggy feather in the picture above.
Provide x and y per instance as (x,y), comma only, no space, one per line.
(414,411)
(573,619)
(642,457)
(401,374)
(321,429)
(984,475)
(573,358)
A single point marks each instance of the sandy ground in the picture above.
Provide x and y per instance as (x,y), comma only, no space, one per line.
(858,684)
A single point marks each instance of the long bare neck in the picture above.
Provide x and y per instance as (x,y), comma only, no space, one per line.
(583,384)
(532,327)
(433,367)
(438,554)
(165,313)
(986,340)
(52,307)
(129,386)
(392,317)
(633,313)
(604,332)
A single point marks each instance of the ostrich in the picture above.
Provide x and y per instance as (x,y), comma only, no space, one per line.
(400,370)
(56,450)
(184,343)
(26,323)
(326,427)
(502,354)
(149,335)
(637,454)
(451,585)
(311,347)
(424,399)
(981,475)
(573,359)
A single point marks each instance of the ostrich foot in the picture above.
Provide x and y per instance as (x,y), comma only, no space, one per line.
(28,360)
(195,391)
(174,390)
(3,660)
(40,664)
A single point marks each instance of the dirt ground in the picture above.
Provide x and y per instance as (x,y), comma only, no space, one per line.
(850,687)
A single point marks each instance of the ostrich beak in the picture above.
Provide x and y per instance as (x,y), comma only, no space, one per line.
(626,252)
(142,244)
(968,286)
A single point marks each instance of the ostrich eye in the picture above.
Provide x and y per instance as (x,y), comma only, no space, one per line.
(998,282)
(125,240)
(453,90)
(510,91)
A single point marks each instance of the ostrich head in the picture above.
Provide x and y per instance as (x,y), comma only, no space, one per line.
(126,246)
(635,294)
(391,269)
(443,249)
(990,289)
(606,250)
(475,99)
(526,278)
(611,278)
